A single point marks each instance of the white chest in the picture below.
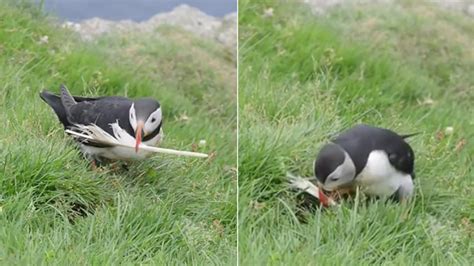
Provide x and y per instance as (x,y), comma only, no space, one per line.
(379,177)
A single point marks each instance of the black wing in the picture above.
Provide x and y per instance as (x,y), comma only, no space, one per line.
(102,112)
(361,140)
(54,101)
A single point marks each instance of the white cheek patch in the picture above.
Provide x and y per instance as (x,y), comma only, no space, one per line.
(345,174)
(151,126)
(133,117)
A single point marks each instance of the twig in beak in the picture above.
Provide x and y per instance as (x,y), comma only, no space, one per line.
(142,146)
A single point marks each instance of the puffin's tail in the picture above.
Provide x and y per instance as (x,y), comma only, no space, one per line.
(55,102)
(410,135)
(66,98)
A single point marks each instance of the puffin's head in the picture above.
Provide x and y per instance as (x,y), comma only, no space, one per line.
(145,118)
(334,168)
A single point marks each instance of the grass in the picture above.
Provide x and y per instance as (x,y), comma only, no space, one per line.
(167,210)
(303,78)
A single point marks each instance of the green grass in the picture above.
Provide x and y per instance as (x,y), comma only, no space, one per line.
(165,210)
(303,79)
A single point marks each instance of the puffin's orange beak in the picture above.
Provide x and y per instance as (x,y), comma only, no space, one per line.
(323,199)
(138,135)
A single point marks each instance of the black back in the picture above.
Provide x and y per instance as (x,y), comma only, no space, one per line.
(54,101)
(361,140)
(101,111)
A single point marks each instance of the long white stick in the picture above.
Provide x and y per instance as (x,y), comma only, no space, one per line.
(171,151)
(143,146)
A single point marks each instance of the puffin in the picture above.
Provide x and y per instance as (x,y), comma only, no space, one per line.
(117,119)
(376,160)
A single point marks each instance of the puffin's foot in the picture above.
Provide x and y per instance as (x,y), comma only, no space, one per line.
(94,166)
(342,193)
(118,166)
(103,164)
(97,165)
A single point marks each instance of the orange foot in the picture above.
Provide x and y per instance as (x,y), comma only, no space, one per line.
(94,165)
(341,193)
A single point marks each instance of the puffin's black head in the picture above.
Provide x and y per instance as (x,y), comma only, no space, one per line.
(402,157)
(145,118)
(333,167)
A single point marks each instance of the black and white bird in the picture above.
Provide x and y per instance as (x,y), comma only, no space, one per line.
(378,161)
(117,120)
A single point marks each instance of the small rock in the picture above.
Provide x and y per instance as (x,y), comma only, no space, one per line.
(470,10)
(427,101)
(449,130)
(43,39)
(67,24)
(183,117)
(202,143)
(267,13)
(71,25)
(256,205)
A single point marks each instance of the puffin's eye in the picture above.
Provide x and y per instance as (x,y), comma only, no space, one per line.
(153,120)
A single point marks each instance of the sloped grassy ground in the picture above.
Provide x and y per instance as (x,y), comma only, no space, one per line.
(303,78)
(167,210)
